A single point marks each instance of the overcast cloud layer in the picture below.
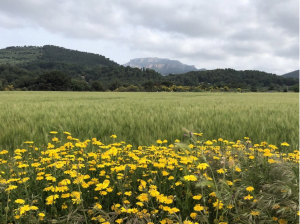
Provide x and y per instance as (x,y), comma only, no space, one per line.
(245,34)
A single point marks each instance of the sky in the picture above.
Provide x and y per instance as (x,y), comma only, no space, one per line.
(240,34)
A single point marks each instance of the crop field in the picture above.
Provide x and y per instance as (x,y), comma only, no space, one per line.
(73,157)
(142,118)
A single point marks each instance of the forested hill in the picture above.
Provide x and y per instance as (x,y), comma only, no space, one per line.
(231,78)
(56,68)
(294,74)
(49,53)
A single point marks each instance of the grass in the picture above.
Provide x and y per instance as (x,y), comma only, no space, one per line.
(142,118)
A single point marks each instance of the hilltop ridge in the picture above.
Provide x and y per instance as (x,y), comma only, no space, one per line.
(164,66)
(50,53)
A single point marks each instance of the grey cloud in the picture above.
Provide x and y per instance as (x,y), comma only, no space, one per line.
(207,32)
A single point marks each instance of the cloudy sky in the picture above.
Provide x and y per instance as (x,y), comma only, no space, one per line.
(241,34)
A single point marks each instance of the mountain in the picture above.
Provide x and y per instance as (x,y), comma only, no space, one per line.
(231,78)
(31,67)
(162,65)
(56,69)
(50,54)
(294,74)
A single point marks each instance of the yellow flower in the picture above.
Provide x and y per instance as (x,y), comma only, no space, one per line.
(282,221)
(102,186)
(173,210)
(230,206)
(208,143)
(119,221)
(254,213)
(98,206)
(143,197)
(53,132)
(64,206)
(218,204)
(248,197)
(128,193)
(221,170)
(197,197)
(159,141)
(67,195)
(113,136)
(178,183)
(103,192)
(41,216)
(202,166)
(285,144)
(165,173)
(237,169)
(213,194)
(140,204)
(40,178)
(20,201)
(190,178)
(35,164)
(24,209)
(126,202)
(193,215)
(249,189)
(11,187)
(229,183)
(251,157)
(198,208)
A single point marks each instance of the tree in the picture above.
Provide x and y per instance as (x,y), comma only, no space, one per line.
(54,81)
(149,86)
(97,86)
(253,89)
(115,84)
(79,85)
(295,88)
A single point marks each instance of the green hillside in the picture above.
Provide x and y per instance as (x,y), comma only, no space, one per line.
(19,55)
(50,53)
(232,78)
(294,74)
(56,68)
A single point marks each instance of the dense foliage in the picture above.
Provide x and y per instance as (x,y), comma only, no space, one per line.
(24,68)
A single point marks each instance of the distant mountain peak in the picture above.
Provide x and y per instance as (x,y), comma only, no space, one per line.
(293,74)
(164,66)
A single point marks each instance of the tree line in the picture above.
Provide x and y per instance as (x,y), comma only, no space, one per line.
(120,78)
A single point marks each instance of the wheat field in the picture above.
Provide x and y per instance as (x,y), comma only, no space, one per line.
(142,118)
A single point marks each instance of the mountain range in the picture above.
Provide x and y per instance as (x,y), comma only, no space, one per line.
(163,66)
(44,68)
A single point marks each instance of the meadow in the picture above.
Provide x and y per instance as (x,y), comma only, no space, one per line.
(142,118)
(149,158)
